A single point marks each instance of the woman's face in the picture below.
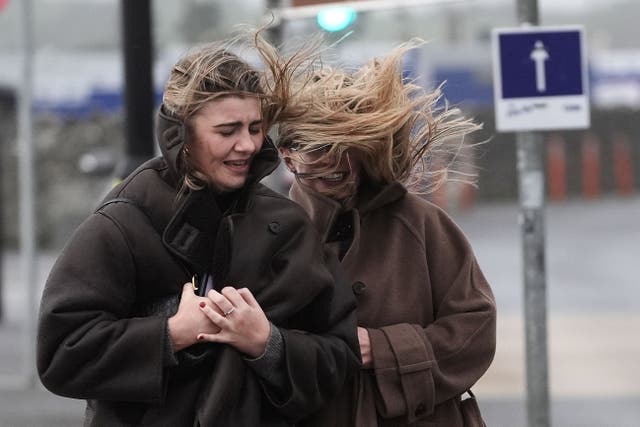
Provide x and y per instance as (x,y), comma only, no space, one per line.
(343,176)
(227,134)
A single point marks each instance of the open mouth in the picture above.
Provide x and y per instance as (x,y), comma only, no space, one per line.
(238,163)
(334,177)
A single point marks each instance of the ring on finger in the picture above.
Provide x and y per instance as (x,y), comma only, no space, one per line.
(227,313)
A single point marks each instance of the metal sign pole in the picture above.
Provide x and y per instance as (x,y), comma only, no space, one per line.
(531,187)
(27,193)
(532,198)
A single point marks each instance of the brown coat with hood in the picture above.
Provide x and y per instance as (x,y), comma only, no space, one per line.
(102,332)
(429,311)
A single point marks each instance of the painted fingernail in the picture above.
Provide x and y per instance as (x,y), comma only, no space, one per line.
(199,337)
(202,304)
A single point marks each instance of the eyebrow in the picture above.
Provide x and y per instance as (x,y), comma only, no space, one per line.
(237,123)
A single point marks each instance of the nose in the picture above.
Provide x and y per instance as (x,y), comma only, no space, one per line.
(246,143)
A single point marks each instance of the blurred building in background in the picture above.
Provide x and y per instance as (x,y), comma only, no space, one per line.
(78,91)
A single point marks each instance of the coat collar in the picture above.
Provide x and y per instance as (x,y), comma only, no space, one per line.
(191,231)
(194,229)
(323,210)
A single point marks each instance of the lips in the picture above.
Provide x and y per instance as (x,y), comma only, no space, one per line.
(334,177)
(238,165)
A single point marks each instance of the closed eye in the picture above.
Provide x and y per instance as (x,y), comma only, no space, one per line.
(227,130)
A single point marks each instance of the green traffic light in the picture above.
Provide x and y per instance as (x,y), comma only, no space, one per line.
(336,18)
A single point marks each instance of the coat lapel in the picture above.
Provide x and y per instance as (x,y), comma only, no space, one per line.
(189,233)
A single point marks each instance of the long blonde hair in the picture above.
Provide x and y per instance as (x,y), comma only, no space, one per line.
(401,129)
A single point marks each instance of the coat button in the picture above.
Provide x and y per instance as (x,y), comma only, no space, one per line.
(420,409)
(274,227)
(358,288)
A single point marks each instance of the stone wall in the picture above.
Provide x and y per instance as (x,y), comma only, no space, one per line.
(65,195)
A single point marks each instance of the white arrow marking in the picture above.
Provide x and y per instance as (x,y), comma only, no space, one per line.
(539,55)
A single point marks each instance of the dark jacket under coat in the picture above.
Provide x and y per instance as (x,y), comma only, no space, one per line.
(102,331)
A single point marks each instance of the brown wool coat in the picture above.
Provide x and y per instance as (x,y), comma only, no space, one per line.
(428,309)
(102,331)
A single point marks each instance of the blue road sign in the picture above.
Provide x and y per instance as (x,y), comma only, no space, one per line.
(540,79)
(554,56)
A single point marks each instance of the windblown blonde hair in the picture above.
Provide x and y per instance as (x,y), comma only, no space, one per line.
(400,129)
(216,70)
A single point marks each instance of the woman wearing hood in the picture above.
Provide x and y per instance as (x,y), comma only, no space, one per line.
(194,295)
(426,314)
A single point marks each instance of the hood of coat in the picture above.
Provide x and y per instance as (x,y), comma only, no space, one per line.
(323,210)
(171,137)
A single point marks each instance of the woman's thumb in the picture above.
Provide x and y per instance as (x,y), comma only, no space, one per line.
(187,287)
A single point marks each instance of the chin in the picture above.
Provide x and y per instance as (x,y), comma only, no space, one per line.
(341,192)
(337,196)
(226,187)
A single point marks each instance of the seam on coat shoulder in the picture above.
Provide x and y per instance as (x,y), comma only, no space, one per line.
(410,229)
(125,183)
(124,237)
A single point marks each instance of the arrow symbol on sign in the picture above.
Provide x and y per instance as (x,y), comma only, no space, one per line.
(539,55)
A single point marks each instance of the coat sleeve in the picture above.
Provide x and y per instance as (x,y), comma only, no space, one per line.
(418,366)
(321,348)
(87,345)
(319,364)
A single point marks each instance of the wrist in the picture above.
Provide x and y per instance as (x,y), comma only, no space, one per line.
(260,346)
(177,335)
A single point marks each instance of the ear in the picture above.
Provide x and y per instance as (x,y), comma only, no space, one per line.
(284,153)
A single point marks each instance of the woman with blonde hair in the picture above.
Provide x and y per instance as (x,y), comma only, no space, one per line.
(426,314)
(194,295)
